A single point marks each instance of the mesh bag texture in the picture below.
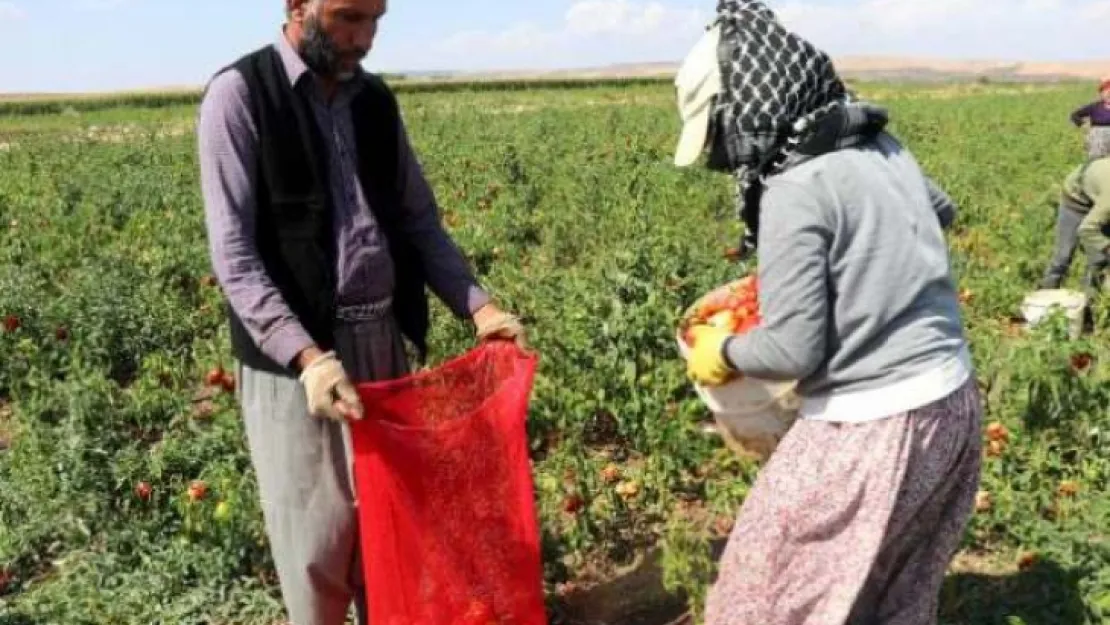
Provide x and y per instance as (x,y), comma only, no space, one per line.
(446,498)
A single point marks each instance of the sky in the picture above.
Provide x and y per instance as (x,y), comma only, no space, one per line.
(106,45)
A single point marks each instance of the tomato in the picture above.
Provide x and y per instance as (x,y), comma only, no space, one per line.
(611,473)
(197,490)
(143,490)
(1081,362)
(998,432)
(722,319)
(215,376)
(222,512)
(11,323)
(737,324)
(228,382)
(573,504)
(747,324)
(735,309)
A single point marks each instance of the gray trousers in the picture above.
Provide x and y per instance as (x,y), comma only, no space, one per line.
(303,466)
(1067,241)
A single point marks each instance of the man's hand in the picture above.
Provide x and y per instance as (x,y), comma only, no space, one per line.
(492,323)
(706,363)
(330,393)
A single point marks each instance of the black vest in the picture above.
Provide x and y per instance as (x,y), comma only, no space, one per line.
(293,233)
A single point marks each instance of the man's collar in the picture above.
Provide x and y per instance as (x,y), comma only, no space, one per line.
(295,66)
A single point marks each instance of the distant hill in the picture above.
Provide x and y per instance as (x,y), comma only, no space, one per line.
(854,67)
(865,68)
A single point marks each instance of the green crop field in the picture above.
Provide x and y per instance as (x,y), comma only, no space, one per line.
(567,204)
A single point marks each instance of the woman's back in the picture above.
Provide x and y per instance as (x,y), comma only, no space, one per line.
(892,315)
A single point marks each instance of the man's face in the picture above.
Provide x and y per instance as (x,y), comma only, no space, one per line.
(338,34)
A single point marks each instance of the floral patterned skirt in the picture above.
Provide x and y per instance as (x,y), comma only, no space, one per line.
(854,524)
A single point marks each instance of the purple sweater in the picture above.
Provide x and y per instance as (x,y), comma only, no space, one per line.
(228,144)
(1097,112)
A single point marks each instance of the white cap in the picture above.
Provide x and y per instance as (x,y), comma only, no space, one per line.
(697,82)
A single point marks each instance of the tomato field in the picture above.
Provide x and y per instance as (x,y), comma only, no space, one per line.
(127,494)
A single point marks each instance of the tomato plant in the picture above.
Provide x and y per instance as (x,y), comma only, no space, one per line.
(117,397)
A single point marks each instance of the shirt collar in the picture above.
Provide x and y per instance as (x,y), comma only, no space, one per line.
(295,67)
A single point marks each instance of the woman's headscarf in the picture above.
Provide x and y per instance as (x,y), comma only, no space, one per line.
(781,103)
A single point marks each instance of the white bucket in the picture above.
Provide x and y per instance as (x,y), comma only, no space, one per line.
(1038,305)
(753,414)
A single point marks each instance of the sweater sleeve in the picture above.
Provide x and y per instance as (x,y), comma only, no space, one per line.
(1082,113)
(794,241)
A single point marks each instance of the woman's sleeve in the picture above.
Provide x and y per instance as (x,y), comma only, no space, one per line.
(1082,113)
(794,241)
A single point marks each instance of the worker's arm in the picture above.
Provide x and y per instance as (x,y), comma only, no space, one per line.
(448,273)
(1082,113)
(228,142)
(790,342)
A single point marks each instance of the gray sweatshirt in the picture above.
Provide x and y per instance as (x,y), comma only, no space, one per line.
(857,298)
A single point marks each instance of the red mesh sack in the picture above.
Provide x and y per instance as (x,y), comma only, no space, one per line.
(444,481)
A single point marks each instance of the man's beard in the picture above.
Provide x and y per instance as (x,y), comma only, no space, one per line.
(320,52)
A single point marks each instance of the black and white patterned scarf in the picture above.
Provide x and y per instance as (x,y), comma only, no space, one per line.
(781,104)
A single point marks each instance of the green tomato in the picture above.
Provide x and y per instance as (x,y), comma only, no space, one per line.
(223,511)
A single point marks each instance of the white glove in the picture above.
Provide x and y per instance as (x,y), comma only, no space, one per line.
(494,324)
(330,393)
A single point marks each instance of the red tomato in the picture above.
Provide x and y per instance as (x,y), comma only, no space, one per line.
(143,491)
(573,504)
(197,490)
(214,376)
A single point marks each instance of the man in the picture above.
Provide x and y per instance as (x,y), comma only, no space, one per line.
(1084,219)
(323,234)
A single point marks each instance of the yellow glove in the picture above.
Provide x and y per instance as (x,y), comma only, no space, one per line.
(706,364)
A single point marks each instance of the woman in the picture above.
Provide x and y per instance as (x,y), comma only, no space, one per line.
(1097,114)
(858,513)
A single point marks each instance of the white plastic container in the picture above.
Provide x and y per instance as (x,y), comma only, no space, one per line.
(1038,305)
(753,414)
